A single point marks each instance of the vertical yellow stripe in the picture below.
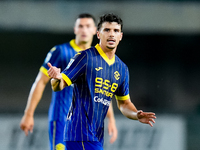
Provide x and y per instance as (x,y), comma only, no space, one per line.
(83,146)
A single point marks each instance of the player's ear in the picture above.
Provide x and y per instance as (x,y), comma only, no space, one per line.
(98,34)
(121,36)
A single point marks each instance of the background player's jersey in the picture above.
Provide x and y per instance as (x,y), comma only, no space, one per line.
(60,56)
(96,79)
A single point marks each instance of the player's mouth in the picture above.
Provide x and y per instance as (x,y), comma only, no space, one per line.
(83,36)
(111,41)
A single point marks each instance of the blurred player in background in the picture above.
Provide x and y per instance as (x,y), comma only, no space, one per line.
(97,74)
(60,56)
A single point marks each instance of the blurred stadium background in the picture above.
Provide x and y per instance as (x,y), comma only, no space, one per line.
(161,46)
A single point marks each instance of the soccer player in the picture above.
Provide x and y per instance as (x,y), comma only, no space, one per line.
(60,56)
(97,74)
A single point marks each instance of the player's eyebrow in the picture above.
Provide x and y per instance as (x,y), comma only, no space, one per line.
(106,29)
(81,25)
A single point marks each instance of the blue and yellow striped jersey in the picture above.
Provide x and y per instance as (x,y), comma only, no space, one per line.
(96,80)
(60,56)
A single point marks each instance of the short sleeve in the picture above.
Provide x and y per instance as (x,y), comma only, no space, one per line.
(54,57)
(75,68)
(122,92)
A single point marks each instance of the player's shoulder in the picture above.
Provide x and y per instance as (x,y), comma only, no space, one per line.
(60,46)
(85,54)
(88,51)
(66,44)
(81,54)
(118,60)
(91,51)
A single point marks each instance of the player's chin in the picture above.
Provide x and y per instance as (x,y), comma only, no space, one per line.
(111,47)
(84,39)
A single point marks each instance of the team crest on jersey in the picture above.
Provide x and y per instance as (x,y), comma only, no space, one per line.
(116,75)
(70,63)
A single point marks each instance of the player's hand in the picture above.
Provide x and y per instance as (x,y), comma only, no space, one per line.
(112,131)
(54,72)
(27,124)
(146,117)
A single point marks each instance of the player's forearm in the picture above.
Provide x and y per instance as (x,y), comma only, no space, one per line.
(36,92)
(34,97)
(128,109)
(110,114)
(57,84)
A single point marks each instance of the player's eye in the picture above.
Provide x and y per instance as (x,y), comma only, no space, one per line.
(106,29)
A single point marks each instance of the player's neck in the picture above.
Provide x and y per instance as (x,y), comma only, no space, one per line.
(109,52)
(83,45)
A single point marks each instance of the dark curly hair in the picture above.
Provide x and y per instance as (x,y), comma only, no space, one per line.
(109,18)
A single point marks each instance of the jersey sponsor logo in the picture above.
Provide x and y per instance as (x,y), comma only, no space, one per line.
(70,63)
(105,87)
(101,100)
(116,75)
(99,68)
(104,92)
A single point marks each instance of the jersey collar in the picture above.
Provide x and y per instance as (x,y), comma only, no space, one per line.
(74,46)
(104,56)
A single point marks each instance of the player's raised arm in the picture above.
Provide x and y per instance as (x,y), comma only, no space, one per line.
(57,83)
(129,110)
